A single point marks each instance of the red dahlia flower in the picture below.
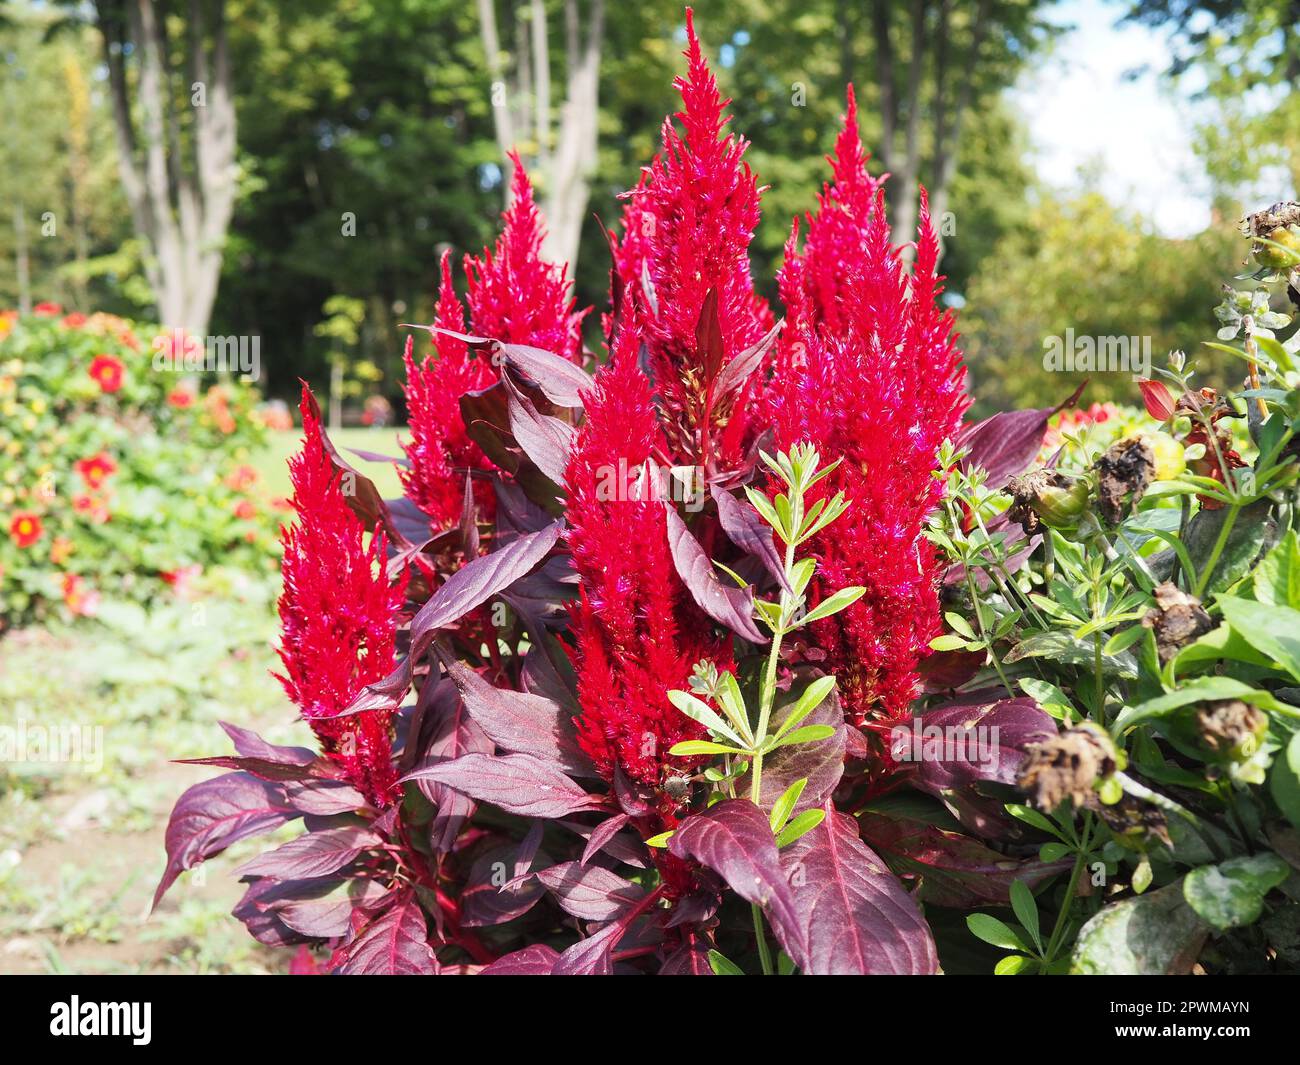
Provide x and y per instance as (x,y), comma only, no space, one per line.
(870,339)
(25,529)
(96,469)
(107,372)
(338,618)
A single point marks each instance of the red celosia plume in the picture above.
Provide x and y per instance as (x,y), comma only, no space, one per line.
(870,372)
(638,634)
(338,617)
(514,296)
(686,232)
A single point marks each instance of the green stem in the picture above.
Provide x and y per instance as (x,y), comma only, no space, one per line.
(1220,542)
(760,934)
(1061,919)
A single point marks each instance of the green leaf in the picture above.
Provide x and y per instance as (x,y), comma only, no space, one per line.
(733,705)
(994,932)
(1274,630)
(804,822)
(801,573)
(1124,639)
(1284,781)
(782,807)
(1231,894)
(845,597)
(1025,908)
(1014,965)
(1050,698)
(723,966)
(660,840)
(947,642)
(959,624)
(1053,852)
(812,697)
(1032,817)
(1202,689)
(690,748)
(1277,576)
(1152,934)
(807,734)
(698,710)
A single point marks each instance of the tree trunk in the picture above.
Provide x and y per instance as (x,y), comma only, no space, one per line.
(22,264)
(560,170)
(180,207)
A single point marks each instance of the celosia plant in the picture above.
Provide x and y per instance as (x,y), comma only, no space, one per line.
(651,621)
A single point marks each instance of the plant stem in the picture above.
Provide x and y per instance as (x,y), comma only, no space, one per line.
(1059,929)
(764,951)
(1220,542)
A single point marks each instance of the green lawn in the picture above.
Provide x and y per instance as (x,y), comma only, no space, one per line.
(275,474)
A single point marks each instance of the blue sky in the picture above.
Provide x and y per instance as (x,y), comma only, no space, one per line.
(1081,111)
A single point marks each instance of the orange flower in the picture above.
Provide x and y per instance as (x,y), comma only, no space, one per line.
(245,511)
(107,371)
(47,310)
(60,550)
(75,320)
(96,469)
(26,529)
(180,397)
(241,478)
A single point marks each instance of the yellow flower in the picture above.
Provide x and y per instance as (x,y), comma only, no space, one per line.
(39,405)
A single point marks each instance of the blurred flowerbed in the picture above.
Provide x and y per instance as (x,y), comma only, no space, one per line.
(117,479)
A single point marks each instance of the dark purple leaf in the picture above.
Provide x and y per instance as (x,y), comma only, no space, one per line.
(541,675)
(212,815)
(321,909)
(536,960)
(690,959)
(735,840)
(695,909)
(259,767)
(965,743)
(952,869)
(469,587)
(469,539)
(592,956)
(544,439)
(732,607)
(375,456)
(561,381)
(394,944)
(590,892)
(452,735)
(250,745)
(517,783)
(821,762)
(255,911)
(854,915)
(738,370)
(313,854)
(625,847)
(325,798)
(520,723)
(602,834)
(1007,443)
(496,889)
(710,348)
(745,529)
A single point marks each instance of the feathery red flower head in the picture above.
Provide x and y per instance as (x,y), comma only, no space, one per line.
(862,330)
(338,617)
(638,633)
(517,297)
(686,232)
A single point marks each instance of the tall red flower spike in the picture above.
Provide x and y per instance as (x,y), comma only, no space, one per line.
(638,633)
(515,297)
(440,449)
(686,232)
(338,618)
(870,371)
